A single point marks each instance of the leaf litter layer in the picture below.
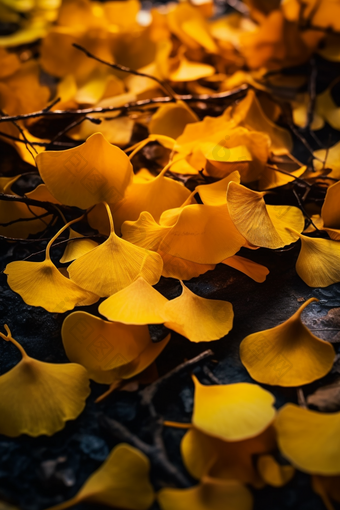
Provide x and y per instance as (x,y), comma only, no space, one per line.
(196,151)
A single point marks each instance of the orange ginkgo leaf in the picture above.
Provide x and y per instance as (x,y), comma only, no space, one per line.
(42,284)
(330,211)
(139,303)
(115,264)
(252,269)
(77,247)
(209,495)
(208,456)
(248,113)
(287,355)
(232,412)
(125,468)
(262,225)
(272,472)
(99,345)
(37,397)
(197,318)
(171,119)
(328,158)
(94,172)
(216,193)
(301,442)
(318,261)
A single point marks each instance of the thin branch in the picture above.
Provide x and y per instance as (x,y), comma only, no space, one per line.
(148,393)
(19,220)
(118,67)
(156,452)
(71,126)
(231,94)
(312,93)
(30,201)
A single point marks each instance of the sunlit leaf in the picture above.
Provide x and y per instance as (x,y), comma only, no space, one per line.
(38,398)
(86,175)
(287,355)
(197,318)
(232,412)
(261,224)
(139,303)
(252,269)
(115,264)
(309,439)
(41,284)
(111,484)
(274,473)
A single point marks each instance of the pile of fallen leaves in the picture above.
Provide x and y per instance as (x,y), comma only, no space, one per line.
(145,145)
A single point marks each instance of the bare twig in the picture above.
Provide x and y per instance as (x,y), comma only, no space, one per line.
(148,393)
(156,451)
(230,94)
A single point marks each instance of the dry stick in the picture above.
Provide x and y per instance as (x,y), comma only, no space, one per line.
(294,177)
(118,67)
(230,94)
(27,143)
(30,201)
(156,452)
(71,126)
(18,220)
(148,393)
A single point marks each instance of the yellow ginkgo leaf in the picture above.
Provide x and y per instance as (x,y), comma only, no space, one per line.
(86,175)
(191,71)
(273,179)
(274,473)
(232,412)
(287,355)
(154,196)
(139,303)
(209,495)
(201,233)
(38,398)
(115,264)
(42,284)
(216,193)
(318,261)
(205,455)
(262,225)
(77,248)
(301,442)
(171,119)
(125,468)
(330,211)
(248,113)
(101,346)
(252,269)
(327,487)
(181,269)
(328,158)
(197,318)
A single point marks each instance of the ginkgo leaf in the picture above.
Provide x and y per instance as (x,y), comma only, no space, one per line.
(190,71)
(216,193)
(111,484)
(273,179)
(327,487)
(42,284)
(139,303)
(328,158)
(262,225)
(77,248)
(205,455)
(232,412)
(181,269)
(38,397)
(287,355)
(330,212)
(301,442)
(201,233)
(248,113)
(171,119)
(94,172)
(101,346)
(274,473)
(318,261)
(115,264)
(154,196)
(197,318)
(252,269)
(209,495)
